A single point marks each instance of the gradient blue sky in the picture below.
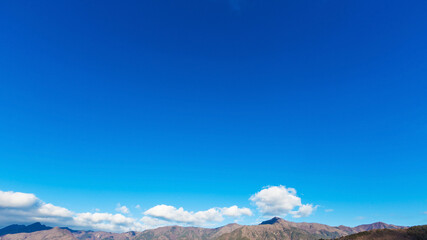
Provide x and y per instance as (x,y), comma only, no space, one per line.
(202,103)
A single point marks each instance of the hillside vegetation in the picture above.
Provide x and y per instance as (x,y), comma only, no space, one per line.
(412,233)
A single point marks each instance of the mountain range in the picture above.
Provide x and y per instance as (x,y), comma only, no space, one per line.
(274,229)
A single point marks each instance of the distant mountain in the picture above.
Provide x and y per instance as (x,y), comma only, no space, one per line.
(15,228)
(412,233)
(273,229)
(377,225)
(367,227)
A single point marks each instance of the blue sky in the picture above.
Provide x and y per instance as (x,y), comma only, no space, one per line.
(203,103)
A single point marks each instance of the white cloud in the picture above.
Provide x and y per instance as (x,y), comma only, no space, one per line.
(281,201)
(138,206)
(122,209)
(17,200)
(200,218)
(170,213)
(329,210)
(16,207)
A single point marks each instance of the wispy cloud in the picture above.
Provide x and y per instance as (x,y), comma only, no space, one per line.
(122,209)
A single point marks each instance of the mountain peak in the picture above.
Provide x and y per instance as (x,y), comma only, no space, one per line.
(36,224)
(273,221)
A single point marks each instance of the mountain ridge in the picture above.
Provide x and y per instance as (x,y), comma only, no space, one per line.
(17,228)
(274,229)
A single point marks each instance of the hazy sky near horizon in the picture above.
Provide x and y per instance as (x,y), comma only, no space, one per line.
(204,104)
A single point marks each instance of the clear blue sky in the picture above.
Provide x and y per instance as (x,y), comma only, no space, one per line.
(201,103)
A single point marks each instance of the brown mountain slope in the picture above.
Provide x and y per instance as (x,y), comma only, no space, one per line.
(367,227)
(377,225)
(185,233)
(279,229)
(268,232)
(312,228)
(52,234)
(90,235)
(412,233)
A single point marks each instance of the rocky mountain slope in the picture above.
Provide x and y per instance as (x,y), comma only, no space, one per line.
(273,229)
(278,228)
(52,234)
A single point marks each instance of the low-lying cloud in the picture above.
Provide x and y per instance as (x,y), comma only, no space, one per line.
(179,215)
